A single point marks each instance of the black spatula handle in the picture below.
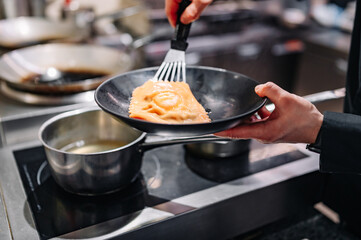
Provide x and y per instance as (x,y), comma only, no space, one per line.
(181,30)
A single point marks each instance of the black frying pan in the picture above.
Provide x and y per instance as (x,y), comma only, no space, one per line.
(229,98)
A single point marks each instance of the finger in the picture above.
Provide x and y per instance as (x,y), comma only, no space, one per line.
(252,119)
(264,113)
(194,10)
(255,131)
(270,90)
(171,8)
(255,119)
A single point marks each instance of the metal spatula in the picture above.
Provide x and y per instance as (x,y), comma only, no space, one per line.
(174,63)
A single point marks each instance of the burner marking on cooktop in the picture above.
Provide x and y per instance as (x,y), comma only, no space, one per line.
(28,178)
(156,181)
(38,175)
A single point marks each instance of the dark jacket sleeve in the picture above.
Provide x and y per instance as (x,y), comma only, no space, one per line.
(341,132)
(341,143)
(353,81)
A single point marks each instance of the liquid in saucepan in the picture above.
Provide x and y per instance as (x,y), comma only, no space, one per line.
(82,147)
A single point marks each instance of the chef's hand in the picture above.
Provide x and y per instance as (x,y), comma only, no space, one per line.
(191,13)
(294,120)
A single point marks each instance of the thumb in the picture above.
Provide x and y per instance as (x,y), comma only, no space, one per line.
(269,90)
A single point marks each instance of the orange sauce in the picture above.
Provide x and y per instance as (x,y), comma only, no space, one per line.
(166,102)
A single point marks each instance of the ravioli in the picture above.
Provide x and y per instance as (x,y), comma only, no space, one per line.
(166,102)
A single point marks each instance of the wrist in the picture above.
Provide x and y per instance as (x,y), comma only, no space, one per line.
(315,145)
(316,128)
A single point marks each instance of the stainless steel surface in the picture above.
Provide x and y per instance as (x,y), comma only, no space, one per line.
(174,63)
(46,100)
(126,15)
(154,141)
(19,215)
(23,31)
(20,122)
(326,95)
(16,8)
(86,18)
(97,171)
(4,224)
(319,97)
(146,217)
(51,75)
(125,12)
(126,40)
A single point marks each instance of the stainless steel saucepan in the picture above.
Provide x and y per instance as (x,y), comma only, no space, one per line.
(90,153)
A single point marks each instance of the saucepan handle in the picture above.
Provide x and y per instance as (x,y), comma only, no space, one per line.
(160,141)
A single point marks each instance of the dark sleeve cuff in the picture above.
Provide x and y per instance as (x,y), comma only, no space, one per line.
(341,143)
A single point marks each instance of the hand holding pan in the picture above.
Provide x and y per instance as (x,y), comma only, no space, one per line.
(228,97)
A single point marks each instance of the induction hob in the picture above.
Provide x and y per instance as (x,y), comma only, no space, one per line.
(167,173)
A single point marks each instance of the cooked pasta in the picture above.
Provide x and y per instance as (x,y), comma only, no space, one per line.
(166,102)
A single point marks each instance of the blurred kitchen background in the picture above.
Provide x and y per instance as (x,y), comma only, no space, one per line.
(302,45)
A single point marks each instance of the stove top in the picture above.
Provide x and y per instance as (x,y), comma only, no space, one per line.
(167,173)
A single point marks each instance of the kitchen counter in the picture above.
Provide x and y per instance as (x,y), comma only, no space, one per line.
(4,224)
(20,122)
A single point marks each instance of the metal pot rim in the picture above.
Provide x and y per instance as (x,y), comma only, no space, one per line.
(74,113)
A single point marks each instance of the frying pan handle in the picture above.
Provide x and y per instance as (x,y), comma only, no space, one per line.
(181,30)
(326,95)
(319,97)
(159,141)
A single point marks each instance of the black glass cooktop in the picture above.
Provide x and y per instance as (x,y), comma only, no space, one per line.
(167,173)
